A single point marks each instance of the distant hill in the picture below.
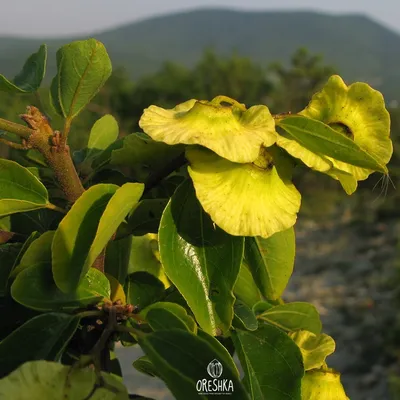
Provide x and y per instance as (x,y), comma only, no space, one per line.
(360,48)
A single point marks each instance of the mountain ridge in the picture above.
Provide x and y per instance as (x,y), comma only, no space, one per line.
(359,47)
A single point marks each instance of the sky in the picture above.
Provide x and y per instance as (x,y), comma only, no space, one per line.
(68,17)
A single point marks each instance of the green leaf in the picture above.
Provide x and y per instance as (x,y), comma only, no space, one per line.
(41,220)
(164,315)
(31,238)
(145,366)
(82,69)
(38,380)
(34,288)
(8,254)
(182,360)
(323,140)
(117,258)
(314,348)
(272,363)
(39,252)
(120,204)
(31,76)
(293,316)
(42,337)
(244,317)
(144,156)
(75,235)
(145,257)
(19,189)
(145,218)
(103,133)
(271,261)
(245,288)
(200,259)
(104,158)
(142,289)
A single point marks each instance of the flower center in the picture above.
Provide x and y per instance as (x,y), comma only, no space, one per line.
(264,160)
(343,129)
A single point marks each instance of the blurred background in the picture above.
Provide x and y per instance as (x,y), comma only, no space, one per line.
(258,52)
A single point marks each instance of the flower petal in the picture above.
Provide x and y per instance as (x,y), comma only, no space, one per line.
(254,199)
(231,131)
(359,112)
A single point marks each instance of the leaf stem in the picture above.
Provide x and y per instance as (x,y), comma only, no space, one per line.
(14,145)
(12,127)
(52,206)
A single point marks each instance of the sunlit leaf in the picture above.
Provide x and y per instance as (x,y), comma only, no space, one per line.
(120,204)
(272,363)
(38,380)
(293,317)
(75,235)
(34,288)
(82,69)
(164,315)
(20,190)
(31,75)
(200,259)
(271,261)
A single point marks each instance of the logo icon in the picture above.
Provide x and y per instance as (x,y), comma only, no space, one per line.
(215,369)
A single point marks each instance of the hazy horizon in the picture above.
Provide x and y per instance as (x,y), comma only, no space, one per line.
(46,18)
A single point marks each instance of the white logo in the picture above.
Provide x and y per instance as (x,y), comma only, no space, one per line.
(215,369)
(215,386)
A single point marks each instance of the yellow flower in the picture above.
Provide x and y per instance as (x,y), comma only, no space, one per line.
(322,384)
(222,125)
(358,112)
(253,199)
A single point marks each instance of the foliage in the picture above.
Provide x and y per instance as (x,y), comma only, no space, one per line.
(178,239)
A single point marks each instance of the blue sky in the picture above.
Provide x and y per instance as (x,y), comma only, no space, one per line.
(66,17)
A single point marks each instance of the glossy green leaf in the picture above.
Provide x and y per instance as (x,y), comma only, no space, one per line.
(244,317)
(8,254)
(39,252)
(120,204)
(34,288)
(145,218)
(144,156)
(20,190)
(31,75)
(104,158)
(82,69)
(272,363)
(103,133)
(42,337)
(31,238)
(145,256)
(245,288)
(271,261)
(314,348)
(75,235)
(38,380)
(182,360)
(293,316)
(164,315)
(145,366)
(323,140)
(200,259)
(41,220)
(117,258)
(143,289)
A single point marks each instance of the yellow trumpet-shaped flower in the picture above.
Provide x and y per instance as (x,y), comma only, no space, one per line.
(356,111)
